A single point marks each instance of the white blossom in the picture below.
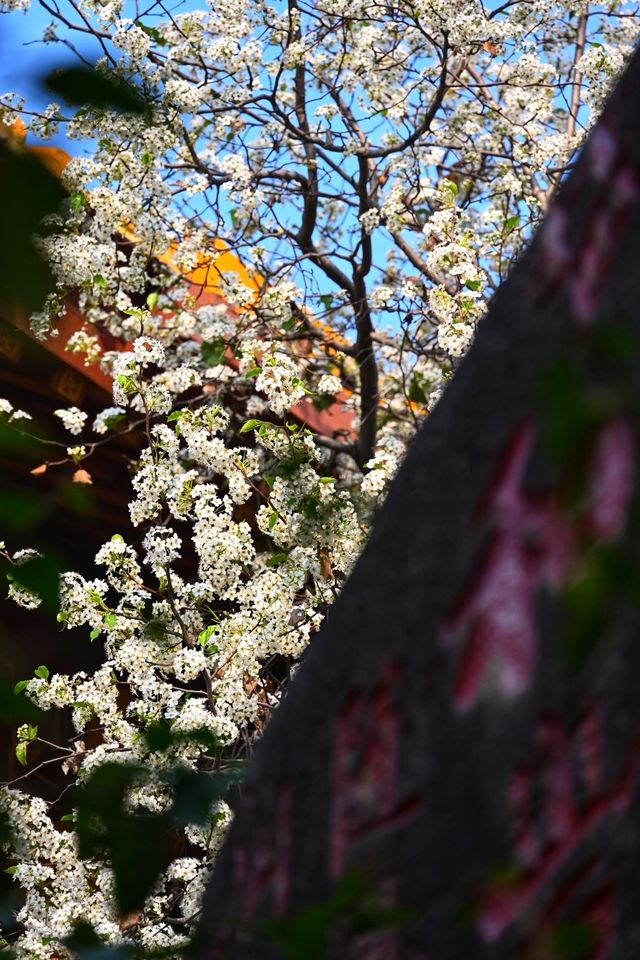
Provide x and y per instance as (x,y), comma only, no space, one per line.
(73,419)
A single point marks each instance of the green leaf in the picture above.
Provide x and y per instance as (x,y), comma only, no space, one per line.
(511,223)
(95,633)
(273,519)
(114,420)
(160,737)
(572,413)
(253,372)
(276,559)
(213,352)
(156,629)
(309,506)
(20,686)
(250,425)
(42,672)
(110,620)
(85,944)
(11,870)
(152,299)
(589,599)
(205,635)
(21,752)
(416,392)
(77,201)
(152,32)
(127,383)
(473,284)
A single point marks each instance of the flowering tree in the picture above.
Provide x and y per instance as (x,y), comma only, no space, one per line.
(379,167)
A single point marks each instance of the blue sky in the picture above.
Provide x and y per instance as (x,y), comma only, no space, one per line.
(24,58)
(19,59)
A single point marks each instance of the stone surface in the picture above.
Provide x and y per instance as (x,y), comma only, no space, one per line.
(454,771)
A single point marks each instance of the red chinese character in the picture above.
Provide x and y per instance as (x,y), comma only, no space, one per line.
(583,267)
(365,771)
(533,545)
(262,869)
(558,804)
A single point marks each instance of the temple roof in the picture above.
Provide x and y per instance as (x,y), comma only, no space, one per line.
(205,286)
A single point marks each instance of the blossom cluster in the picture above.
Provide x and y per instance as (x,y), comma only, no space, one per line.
(190,640)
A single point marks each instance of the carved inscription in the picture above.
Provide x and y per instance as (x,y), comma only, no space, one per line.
(533,545)
(580,265)
(558,804)
(365,771)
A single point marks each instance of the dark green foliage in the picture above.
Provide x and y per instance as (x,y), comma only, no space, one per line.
(15,708)
(41,575)
(213,352)
(84,86)
(352,910)
(28,193)
(140,845)
(573,940)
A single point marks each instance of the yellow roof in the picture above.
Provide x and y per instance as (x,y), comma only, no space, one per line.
(207,274)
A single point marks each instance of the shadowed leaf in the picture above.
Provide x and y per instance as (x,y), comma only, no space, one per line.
(28,192)
(84,86)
